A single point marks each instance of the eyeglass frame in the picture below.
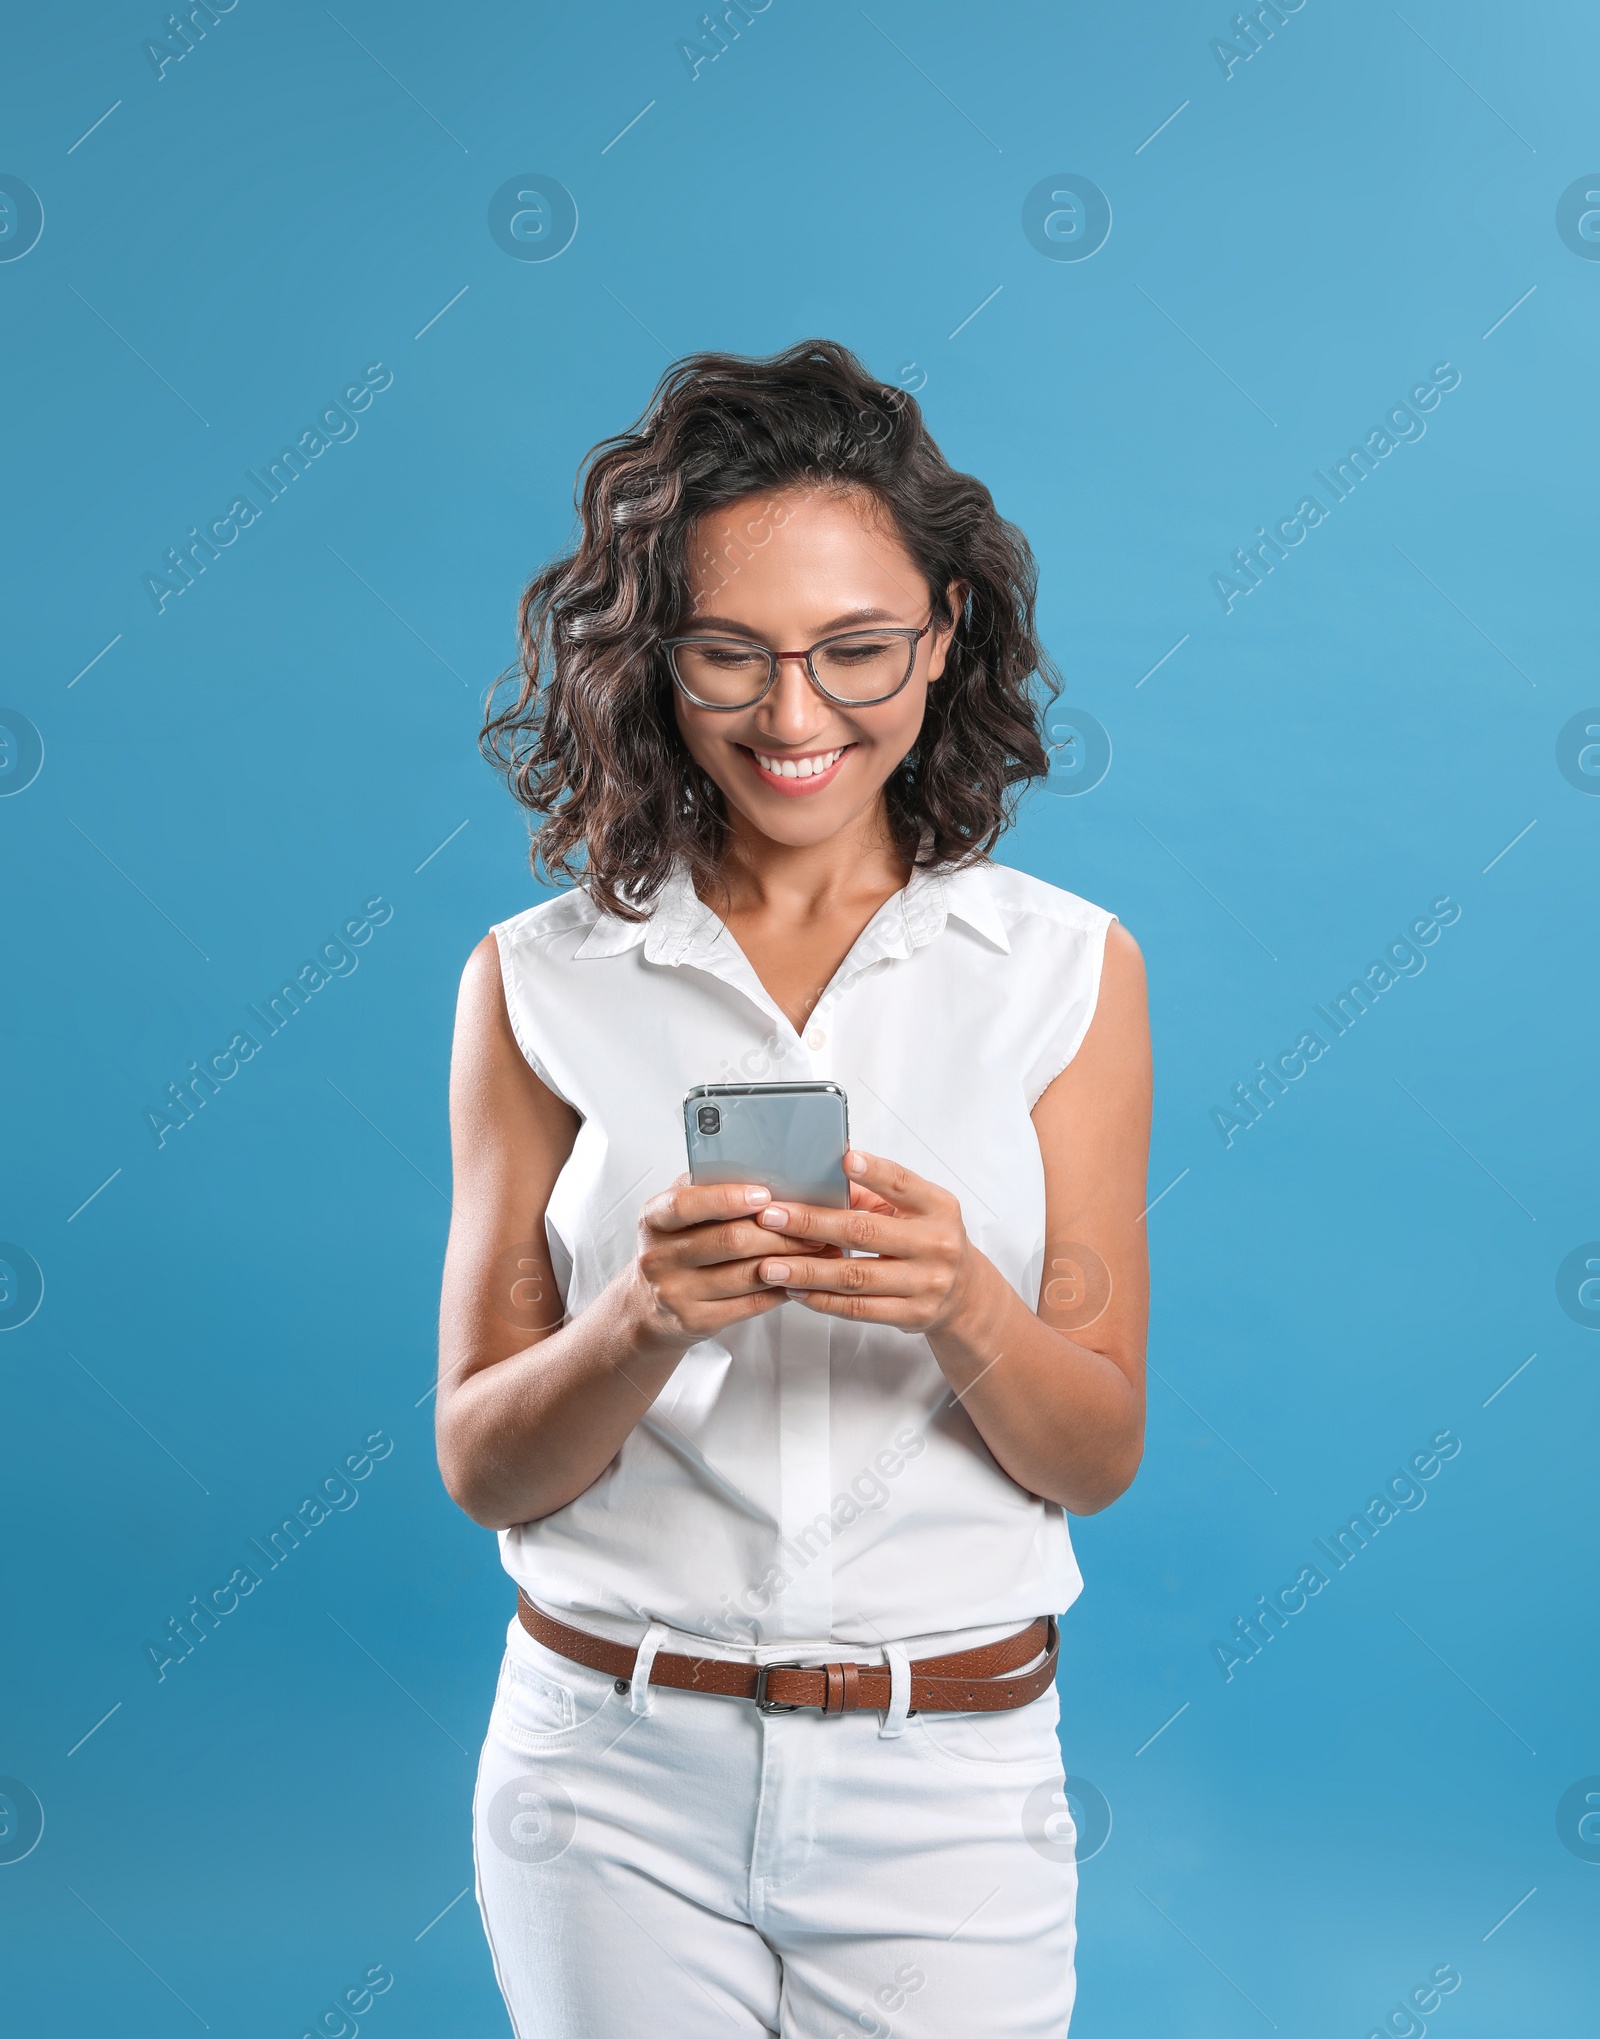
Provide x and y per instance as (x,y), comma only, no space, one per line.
(913,638)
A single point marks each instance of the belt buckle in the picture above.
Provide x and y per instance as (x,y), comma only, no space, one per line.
(763,1703)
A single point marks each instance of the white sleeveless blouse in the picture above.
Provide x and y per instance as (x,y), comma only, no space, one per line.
(803,1481)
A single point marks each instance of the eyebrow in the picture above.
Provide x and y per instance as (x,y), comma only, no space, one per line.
(842,622)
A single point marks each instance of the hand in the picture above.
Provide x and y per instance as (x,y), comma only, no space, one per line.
(927,1269)
(695,1271)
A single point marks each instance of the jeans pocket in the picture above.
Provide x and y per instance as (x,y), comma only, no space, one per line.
(1018,1738)
(542,1696)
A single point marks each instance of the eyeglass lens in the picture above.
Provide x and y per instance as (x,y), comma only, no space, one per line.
(863,666)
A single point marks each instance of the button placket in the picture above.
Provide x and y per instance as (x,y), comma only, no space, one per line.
(817,1036)
(805,1469)
(819,1030)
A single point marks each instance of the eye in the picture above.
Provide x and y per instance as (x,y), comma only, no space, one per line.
(860,650)
(726,657)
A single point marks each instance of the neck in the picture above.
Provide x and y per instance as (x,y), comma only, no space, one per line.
(813,879)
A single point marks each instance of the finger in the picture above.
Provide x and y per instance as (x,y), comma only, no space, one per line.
(688,1293)
(709,1245)
(865,1200)
(866,1231)
(687,1203)
(907,1192)
(860,1309)
(732,1279)
(843,1277)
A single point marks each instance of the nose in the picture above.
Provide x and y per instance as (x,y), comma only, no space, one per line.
(794,712)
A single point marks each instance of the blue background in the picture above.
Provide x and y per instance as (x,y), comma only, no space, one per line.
(238,774)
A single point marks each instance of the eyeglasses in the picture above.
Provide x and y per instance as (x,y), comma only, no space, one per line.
(855,670)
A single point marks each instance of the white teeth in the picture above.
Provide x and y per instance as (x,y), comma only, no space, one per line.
(799,768)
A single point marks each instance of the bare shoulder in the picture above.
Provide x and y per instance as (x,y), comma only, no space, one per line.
(1122,976)
(1110,1073)
(1119,1034)
(483,1025)
(483,991)
(492,1082)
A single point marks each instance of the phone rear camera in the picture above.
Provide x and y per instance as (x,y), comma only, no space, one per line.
(708,1119)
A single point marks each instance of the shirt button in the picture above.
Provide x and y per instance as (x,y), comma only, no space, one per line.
(816,1038)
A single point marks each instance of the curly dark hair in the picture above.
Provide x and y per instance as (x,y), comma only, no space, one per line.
(588,739)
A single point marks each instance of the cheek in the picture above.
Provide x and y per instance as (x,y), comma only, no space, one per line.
(692,728)
(900,733)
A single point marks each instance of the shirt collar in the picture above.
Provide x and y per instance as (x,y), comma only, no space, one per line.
(969,896)
(609,936)
(677,923)
(681,927)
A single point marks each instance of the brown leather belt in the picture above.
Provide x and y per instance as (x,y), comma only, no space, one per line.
(971,1681)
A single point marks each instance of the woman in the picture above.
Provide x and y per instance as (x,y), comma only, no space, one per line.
(773,710)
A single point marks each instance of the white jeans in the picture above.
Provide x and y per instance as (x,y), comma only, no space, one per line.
(705,1869)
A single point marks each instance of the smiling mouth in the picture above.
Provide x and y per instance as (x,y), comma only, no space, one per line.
(792,773)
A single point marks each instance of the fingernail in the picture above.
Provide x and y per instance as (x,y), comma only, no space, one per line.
(797,1295)
(855,1163)
(775,1270)
(775,1216)
(756,1195)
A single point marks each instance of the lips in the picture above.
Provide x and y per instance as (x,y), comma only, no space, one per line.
(794,775)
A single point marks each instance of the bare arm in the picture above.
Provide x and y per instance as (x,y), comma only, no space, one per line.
(1062,1409)
(532,1407)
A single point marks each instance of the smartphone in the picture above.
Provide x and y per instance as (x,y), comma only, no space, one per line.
(790,1137)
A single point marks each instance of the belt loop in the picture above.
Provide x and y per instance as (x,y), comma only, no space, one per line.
(894,1721)
(643,1664)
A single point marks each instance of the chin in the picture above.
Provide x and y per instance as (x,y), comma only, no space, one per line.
(798,827)
(801,824)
